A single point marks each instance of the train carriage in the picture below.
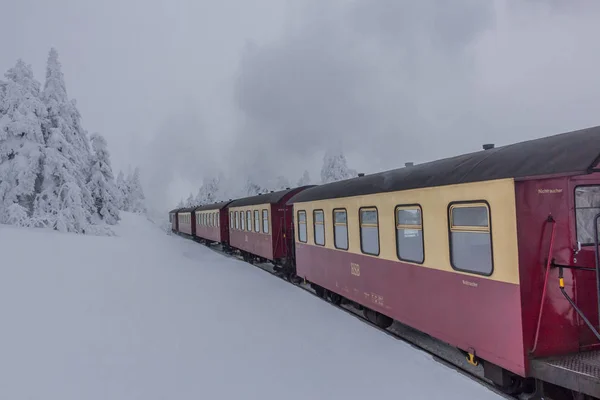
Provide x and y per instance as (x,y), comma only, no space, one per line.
(493,252)
(262,226)
(186,223)
(174,220)
(212,222)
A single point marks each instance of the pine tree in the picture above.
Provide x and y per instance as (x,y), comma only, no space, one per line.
(65,202)
(123,189)
(102,185)
(136,197)
(305,179)
(181,204)
(190,201)
(209,192)
(251,188)
(335,167)
(21,143)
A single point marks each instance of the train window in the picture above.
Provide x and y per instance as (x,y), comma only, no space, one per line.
(340,229)
(470,238)
(237,220)
(231,220)
(587,206)
(256,221)
(243,221)
(409,234)
(319,227)
(218,220)
(302,226)
(265,221)
(249,221)
(369,231)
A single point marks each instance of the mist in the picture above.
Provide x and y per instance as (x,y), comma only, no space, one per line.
(192,89)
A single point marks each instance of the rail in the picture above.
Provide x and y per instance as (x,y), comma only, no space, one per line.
(561,282)
(548,263)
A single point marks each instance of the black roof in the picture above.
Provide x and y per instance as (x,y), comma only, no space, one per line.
(188,209)
(574,152)
(271,198)
(214,206)
(174,211)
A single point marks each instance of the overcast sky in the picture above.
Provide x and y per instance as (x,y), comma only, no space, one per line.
(190,88)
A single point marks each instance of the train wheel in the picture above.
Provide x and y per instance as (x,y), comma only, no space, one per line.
(335,298)
(320,291)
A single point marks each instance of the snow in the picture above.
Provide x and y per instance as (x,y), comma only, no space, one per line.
(146,315)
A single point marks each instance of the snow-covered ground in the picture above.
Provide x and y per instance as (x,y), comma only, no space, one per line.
(150,316)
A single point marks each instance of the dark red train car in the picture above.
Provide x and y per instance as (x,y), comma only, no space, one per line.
(212,222)
(186,221)
(262,226)
(493,252)
(173,220)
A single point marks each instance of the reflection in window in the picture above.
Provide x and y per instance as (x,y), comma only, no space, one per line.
(302,226)
(340,229)
(587,206)
(369,231)
(319,227)
(409,234)
(470,237)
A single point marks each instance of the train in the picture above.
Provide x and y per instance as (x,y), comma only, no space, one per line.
(494,252)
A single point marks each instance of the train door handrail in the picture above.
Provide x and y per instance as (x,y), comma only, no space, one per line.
(548,264)
(561,282)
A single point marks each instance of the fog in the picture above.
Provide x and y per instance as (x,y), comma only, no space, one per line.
(188,89)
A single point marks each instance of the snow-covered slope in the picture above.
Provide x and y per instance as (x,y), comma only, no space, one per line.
(150,316)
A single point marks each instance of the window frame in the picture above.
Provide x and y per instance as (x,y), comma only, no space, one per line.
(231,223)
(249,221)
(367,208)
(263,212)
(347,231)
(305,224)
(315,226)
(256,220)
(237,221)
(466,204)
(575,212)
(422,229)
(218,219)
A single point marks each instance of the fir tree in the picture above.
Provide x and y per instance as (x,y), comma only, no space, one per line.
(65,202)
(136,198)
(123,189)
(335,167)
(305,179)
(102,186)
(21,143)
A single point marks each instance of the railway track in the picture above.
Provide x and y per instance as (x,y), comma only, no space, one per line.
(450,358)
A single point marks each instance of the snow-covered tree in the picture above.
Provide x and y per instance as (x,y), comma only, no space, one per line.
(335,167)
(136,198)
(209,192)
(305,179)
(65,202)
(190,202)
(181,204)
(21,143)
(102,184)
(123,190)
(281,182)
(251,188)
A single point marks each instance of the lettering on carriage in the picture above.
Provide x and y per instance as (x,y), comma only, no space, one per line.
(246,237)
(469,283)
(549,191)
(354,269)
(377,299)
